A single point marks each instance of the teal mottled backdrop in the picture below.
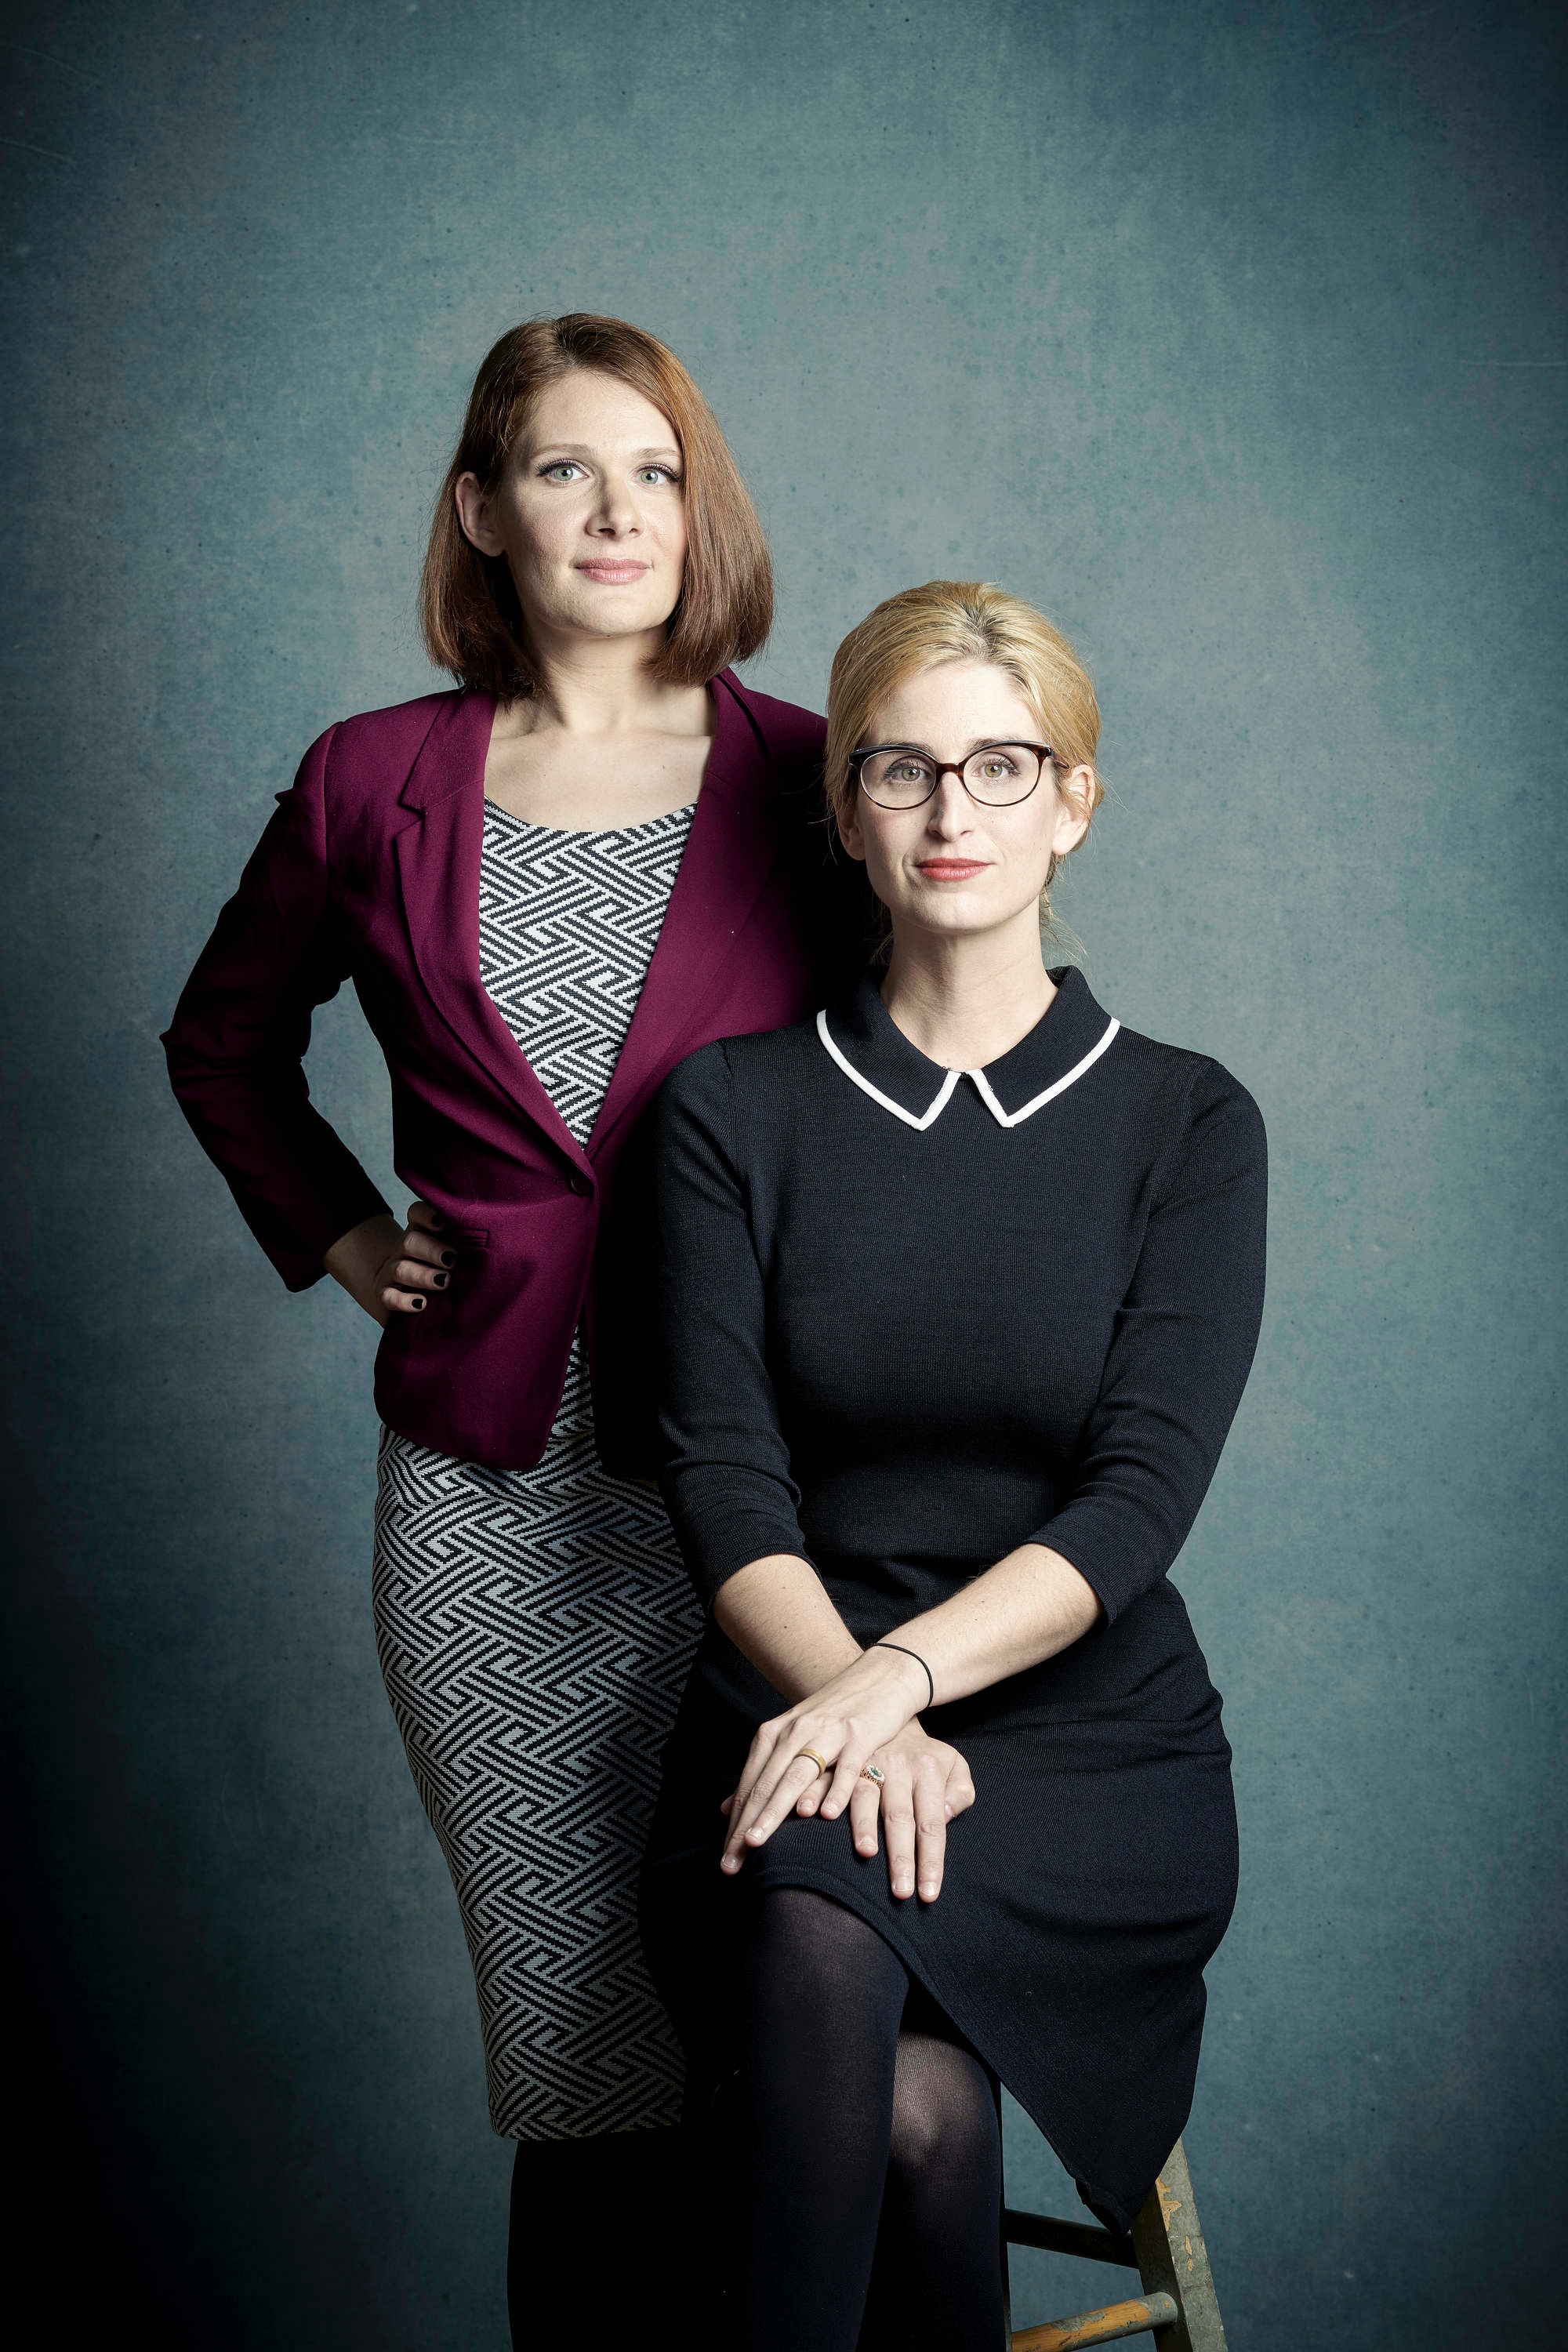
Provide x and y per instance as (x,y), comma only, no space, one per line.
(1232,334)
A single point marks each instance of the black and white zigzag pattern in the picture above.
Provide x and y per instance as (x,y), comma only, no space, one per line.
(535,1630)
(568,924)
(536,1626)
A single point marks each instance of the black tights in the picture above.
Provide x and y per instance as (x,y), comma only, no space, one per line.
(867,2138)
(873,2148)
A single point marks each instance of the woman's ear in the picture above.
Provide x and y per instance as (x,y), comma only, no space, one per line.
(1075,806)
(474,514)
(849,834)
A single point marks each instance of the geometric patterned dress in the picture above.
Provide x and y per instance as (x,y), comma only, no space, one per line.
(536,1627)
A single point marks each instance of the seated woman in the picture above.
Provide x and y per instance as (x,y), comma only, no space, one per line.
(962,1287)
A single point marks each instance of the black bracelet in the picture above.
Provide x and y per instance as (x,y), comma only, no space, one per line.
(915,1654)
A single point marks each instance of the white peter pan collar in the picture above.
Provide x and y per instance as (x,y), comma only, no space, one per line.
(875,1056)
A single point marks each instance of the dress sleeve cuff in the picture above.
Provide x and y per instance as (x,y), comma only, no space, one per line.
(721,1540)
(1117,1563)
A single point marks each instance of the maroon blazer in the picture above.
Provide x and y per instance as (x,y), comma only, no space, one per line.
(370,871)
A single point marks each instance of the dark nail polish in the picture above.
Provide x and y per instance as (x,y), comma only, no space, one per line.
(441,1280)
(419,1306)
(448,1258)
(437,1219)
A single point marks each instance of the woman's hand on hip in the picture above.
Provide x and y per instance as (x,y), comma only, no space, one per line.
(392,1269)
(811,1760)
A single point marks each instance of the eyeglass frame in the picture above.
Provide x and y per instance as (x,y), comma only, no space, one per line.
(1043,752)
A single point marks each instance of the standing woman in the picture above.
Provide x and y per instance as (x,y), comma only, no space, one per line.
(964,1283)
(547,887)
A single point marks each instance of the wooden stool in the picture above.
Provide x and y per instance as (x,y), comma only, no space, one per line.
(1166,2248)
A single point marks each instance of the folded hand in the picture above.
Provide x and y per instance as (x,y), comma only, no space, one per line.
(865,1718)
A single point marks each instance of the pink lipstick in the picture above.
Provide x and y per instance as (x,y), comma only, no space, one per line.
(614,572)
(951,870)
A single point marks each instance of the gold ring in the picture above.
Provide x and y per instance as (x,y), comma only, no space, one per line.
(821,1762)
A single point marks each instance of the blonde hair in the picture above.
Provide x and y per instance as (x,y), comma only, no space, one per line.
(961,620)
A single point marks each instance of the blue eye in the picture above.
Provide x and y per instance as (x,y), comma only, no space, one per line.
(563,466)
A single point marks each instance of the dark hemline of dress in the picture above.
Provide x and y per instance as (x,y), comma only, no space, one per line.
(845,1385)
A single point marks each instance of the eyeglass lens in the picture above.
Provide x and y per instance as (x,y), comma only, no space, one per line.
(994,776)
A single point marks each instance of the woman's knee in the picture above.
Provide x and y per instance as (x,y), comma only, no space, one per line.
(945,2109)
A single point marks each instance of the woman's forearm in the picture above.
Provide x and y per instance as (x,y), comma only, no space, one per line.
(356,1259)
(778,1613)
(1030,1605)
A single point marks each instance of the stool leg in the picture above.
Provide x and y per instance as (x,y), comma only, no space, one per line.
(1174,2259)
(1004,2253)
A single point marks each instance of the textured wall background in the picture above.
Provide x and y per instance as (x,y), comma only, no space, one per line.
(1232,334)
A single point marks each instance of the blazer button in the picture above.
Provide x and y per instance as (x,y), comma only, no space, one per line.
(581,1184)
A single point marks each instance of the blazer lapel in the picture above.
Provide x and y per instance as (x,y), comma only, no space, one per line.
(438,867)
(730,854)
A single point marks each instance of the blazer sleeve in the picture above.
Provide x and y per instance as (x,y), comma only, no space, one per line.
(726,1474)
(237,1043)
(1182,1349)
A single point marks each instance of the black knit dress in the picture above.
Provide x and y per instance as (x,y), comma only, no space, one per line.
(915,1318)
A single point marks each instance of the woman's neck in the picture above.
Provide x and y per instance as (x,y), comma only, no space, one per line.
(965,1000)
(604,687)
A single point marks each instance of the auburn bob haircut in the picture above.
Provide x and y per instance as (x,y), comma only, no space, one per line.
(472,622)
